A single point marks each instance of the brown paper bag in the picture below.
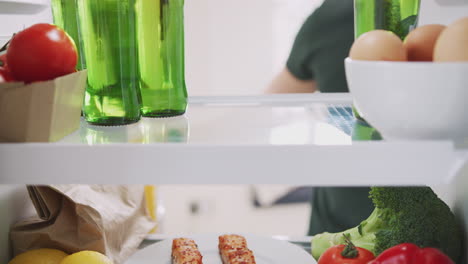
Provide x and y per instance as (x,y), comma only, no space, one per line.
(110,219)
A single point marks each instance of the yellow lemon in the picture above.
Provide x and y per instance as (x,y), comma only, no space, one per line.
(88,257)
(39,256)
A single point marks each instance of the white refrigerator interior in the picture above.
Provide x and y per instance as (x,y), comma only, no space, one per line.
(240,151)
(225,30)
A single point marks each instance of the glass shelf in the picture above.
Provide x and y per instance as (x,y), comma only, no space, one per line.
(262,123)
(305,139)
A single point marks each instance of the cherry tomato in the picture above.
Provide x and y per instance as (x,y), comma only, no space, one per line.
(41,52)
(334,255)
(5,75)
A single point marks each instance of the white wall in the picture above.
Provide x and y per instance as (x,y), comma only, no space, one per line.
(442,11)
(236,47)
(227,208)
(10,24)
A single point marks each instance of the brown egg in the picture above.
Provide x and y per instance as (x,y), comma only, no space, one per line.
(452,44)
(420,42)
(378,45)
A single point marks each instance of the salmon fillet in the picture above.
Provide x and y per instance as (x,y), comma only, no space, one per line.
(233,250)
(185,251)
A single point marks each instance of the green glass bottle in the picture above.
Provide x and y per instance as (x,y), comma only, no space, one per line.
(364,132)
(108,29)
(398,16)
(65,15)
(160,27)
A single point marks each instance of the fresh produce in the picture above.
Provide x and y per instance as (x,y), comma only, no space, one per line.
(411,254)
(54,256)
(88,257)
(41,52)
(402,215)
(3,62)
(5,75)
(39,256)
(346,254)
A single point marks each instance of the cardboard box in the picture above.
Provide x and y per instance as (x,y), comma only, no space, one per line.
(41,111)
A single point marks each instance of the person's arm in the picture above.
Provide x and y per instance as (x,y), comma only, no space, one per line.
(286,82)
(298,74)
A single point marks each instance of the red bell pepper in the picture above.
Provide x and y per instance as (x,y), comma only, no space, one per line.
(411,254)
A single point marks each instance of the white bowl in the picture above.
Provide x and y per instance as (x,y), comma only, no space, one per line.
(412,100)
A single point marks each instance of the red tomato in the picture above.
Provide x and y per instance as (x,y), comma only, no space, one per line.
(333,256)
(5,75)
(41,52)
(3,62)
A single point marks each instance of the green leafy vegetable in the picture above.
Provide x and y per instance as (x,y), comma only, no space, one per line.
(402,215)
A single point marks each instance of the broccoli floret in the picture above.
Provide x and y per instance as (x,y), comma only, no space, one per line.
(402,215)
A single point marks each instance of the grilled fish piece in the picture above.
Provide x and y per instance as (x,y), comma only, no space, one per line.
(185,251)
(233,250)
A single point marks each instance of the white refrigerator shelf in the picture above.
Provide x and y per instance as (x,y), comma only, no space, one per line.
(306,139)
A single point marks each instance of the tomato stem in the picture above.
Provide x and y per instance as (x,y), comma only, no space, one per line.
(350,250)
(4,47)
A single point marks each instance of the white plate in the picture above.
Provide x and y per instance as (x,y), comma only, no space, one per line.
(266,251)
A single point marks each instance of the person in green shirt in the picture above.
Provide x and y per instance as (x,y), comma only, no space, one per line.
(316,63)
